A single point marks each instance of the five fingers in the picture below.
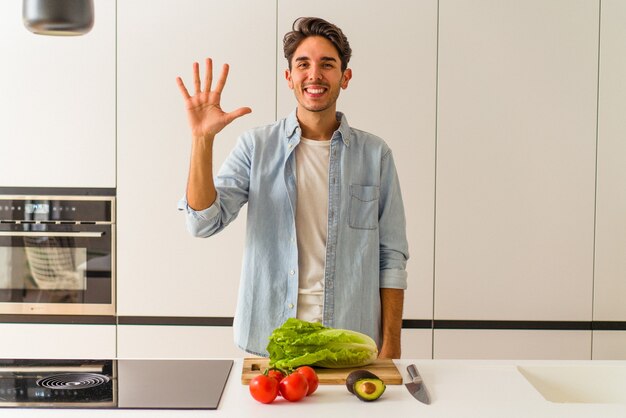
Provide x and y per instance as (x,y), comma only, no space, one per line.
(208,79)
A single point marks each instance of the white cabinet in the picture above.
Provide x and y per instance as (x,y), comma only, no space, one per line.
(609,345)
(610,272)
(161,269)
(393,95)
(610,256)
(57,103)
(511,344)
(417,343)
(150,341)
(516,160)
(62,341)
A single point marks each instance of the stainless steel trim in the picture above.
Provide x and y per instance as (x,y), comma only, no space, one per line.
(82,405)
(50,234)
(28,222)
(96,198)
(113,305)
(53,197)
(95,368)
(59,308)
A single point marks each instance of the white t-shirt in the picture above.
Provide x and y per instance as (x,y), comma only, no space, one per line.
(312,160)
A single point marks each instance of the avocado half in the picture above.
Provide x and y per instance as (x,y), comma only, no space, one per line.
(365,385)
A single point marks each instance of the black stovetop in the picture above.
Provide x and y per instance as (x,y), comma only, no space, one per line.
(113,384)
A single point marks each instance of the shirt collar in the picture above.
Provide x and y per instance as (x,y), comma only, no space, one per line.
(292,126)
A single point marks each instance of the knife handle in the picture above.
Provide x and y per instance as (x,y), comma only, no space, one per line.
(413,373)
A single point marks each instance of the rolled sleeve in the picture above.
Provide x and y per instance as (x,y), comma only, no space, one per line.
(200,223)
(393,279)
(394,251)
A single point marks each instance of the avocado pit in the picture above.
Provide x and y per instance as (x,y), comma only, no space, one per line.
(367,388)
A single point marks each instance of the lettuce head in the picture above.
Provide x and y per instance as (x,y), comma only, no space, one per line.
(298,343)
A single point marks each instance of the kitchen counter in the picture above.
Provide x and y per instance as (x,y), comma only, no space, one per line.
(458,388)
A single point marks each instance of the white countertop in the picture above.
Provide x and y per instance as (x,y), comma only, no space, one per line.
(458,388)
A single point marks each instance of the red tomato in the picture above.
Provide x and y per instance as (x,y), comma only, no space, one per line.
(294,387)
(276,374)
(264,388)
(311,378)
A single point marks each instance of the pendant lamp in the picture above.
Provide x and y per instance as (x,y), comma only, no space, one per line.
(58,17)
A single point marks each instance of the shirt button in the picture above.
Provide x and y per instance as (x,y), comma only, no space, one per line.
(290,306)
(292,272)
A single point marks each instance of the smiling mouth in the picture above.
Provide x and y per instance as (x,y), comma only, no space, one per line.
(315,91)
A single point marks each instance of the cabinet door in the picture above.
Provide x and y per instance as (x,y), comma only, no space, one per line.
(516,159)
(162,270)
(58,103)
(136,341)
(511,344)
(392,94)
(610,261)
(62,341)
(610,286)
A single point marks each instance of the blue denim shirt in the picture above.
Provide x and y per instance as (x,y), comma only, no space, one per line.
(366,247)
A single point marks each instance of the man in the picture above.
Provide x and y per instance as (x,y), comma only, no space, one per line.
(326,236)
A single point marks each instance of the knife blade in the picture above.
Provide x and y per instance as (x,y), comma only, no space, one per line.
(416,386)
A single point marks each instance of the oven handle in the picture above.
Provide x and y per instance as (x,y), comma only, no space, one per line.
(50,234)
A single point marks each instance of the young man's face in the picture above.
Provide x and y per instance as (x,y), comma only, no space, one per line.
(315,76)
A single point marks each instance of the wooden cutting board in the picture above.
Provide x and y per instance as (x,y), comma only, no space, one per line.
(385,369)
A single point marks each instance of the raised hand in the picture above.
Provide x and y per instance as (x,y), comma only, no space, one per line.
(206,117)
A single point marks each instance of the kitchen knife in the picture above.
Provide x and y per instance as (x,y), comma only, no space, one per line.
(416,386)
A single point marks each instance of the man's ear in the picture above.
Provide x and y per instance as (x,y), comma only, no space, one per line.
(345,79)
(288,78)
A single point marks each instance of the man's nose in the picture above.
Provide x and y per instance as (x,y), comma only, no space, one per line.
(315,73)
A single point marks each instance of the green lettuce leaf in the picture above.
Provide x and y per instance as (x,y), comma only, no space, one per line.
(299,343)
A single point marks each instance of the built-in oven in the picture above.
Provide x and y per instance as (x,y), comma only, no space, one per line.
(57,255)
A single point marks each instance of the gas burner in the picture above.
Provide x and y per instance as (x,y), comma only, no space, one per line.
(73,381)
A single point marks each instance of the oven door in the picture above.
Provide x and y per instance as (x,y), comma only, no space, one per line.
(57,269)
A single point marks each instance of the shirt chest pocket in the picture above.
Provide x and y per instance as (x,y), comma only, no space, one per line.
(363,207)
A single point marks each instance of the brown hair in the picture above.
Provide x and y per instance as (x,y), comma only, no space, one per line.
(303,27)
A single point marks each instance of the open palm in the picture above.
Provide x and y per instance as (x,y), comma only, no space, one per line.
(205,115)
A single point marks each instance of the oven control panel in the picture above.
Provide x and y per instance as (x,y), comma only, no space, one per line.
(56,209)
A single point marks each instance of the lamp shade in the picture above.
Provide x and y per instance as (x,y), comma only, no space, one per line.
(58,17)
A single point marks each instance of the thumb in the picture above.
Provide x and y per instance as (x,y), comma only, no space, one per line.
(231,116)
